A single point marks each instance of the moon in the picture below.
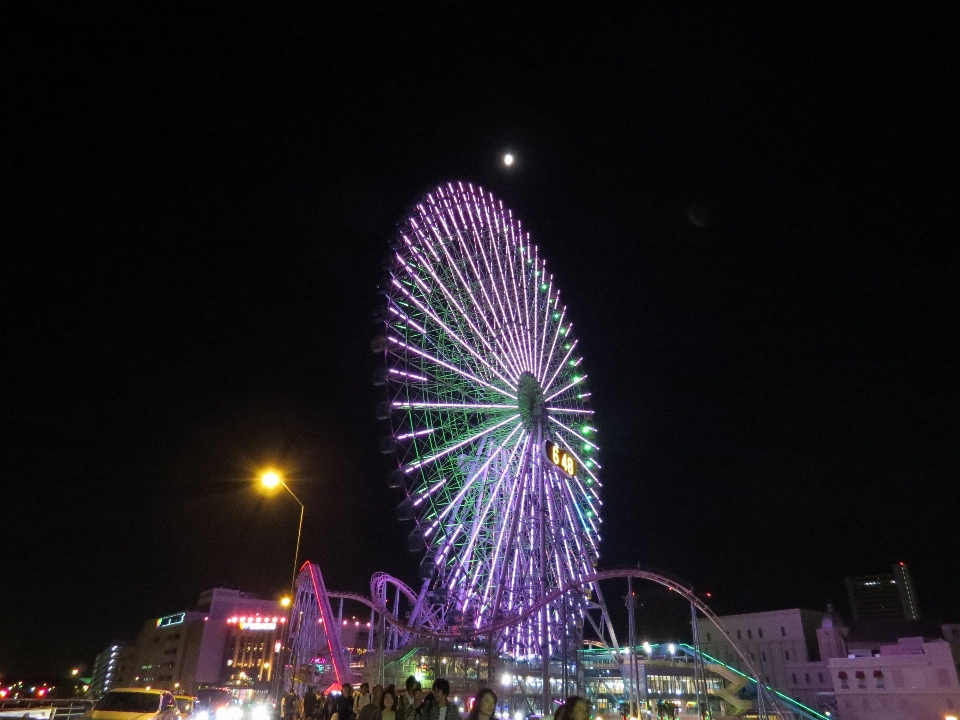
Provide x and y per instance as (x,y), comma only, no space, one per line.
(508,159)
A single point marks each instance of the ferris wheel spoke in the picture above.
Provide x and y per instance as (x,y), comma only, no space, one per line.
(473,407)
(480,277)
(573,432)
(582,524)
(468,484)
(465,286)
(482,514)
(505,233)
(454,334)
(570,411)
(459,371)
(553,345)
(515,344)
(500,565)
(560,367)
(462,443)
(540,338)
(428,240)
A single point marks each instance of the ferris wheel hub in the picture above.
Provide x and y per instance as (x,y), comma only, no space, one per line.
(530,400)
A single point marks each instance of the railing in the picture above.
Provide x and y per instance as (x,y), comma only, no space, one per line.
(39,709)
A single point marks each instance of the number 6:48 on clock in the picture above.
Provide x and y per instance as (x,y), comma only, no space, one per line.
(560,458)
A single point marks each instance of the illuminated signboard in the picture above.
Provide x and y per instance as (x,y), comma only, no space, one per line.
(255,623)
(168,620)
(560,458)
(258,625)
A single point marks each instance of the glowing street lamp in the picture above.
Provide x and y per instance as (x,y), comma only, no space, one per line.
(270,479)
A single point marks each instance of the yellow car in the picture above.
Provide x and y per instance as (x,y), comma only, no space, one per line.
(135,704)
(187,704)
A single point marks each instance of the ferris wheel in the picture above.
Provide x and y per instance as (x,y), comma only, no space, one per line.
(490,419)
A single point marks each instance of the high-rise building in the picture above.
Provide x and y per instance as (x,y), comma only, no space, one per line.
(884,595)
(112,668)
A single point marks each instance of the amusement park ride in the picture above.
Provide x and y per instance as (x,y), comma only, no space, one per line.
(496,457)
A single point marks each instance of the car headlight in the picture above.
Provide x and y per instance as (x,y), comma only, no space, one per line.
(260,713)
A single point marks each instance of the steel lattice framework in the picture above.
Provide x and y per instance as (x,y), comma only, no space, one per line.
(481,368)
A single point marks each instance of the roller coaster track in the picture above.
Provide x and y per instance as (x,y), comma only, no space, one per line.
(425,630)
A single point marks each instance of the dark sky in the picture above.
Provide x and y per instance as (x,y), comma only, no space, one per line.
(196,211)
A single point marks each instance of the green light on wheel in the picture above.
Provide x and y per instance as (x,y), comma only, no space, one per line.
(556,316)
(586,447)
(573,363)
(543,286)
(587,429)
(567,346)
(590,465)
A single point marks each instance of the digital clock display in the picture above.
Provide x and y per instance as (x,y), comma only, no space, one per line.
(560,458)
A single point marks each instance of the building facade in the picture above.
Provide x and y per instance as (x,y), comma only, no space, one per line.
(782,645)
(885,595)
(113,668)
(911,678)
(232,638)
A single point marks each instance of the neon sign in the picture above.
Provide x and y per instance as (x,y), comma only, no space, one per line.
(560,458)
(257,625)
(255,622)
(168,620)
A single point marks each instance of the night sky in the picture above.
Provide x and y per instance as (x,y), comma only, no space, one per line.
(751,215)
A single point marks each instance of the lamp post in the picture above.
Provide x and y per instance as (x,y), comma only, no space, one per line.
(270,479)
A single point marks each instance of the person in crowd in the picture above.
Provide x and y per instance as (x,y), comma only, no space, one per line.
(484,705)
(414,701)
(370,710)
(288,705)
(344,704)
(309,705)
(405,696)
(437,705)
(362,698)
(388,706)
(575,708)
(321,711)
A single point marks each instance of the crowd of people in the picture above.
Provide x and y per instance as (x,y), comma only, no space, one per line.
(410,703)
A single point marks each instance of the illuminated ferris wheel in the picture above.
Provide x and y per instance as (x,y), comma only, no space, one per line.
(490,418)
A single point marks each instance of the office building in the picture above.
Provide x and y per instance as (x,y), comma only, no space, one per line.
(885,595)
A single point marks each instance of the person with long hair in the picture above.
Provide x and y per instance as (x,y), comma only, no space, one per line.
(484,705)
(388,706)
(575,708)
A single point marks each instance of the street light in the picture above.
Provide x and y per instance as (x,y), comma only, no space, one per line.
(270,479)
